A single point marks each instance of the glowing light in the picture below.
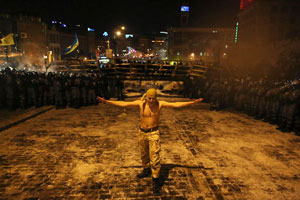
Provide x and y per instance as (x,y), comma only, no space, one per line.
(118,33)
(163,32)
(128,36)
(185,9)
(236,32)
(123,27)
(64,25)
(91,29)
(10,55)
(105,34)
(242,5)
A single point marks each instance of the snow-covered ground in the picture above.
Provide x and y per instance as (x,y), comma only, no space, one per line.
(92,152)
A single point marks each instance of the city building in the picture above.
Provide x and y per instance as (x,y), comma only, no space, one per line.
(54,44)
(263,27)
(210,45)
(268,21)
(38,43)
(32,32)
(7,26)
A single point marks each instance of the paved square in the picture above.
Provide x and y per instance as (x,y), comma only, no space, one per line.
(92,153)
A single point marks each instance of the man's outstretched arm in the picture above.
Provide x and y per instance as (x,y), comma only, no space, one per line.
(118,103)
(179,104)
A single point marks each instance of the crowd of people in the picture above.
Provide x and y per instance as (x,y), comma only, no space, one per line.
(21,89)
(276,102)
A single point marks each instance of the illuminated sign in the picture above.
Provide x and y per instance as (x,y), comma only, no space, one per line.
(236,32)
(185,9)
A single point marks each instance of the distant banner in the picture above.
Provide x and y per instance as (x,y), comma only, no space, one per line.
(71,48)
(7,40)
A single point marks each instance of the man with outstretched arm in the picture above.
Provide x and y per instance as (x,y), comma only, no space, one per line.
(148,135)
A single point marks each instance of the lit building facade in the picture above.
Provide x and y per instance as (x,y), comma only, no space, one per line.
(39,44)
(54,48)
(32,39)
(153,46)
(205,44)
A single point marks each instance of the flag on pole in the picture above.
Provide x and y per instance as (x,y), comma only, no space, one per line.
(71,48)
(7,40)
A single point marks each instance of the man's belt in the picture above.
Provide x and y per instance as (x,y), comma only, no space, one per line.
(149,129)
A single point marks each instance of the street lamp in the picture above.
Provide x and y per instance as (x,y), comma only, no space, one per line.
(118,33)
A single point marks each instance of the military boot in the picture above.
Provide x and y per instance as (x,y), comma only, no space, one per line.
(145,173)
(156,186)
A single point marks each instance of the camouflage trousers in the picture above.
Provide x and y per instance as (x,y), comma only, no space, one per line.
(149,144)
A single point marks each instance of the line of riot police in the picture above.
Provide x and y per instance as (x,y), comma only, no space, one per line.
(20,89)
(274,102)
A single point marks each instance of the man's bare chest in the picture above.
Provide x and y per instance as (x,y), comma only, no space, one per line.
(148,111)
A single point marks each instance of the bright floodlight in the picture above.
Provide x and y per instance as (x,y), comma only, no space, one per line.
(118,33)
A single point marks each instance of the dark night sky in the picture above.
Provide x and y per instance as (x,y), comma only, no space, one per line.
(142,16)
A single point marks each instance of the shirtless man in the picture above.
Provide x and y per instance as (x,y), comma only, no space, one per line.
(148,136)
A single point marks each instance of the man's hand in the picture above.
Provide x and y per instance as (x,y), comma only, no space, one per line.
(198,100)
(101,100)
